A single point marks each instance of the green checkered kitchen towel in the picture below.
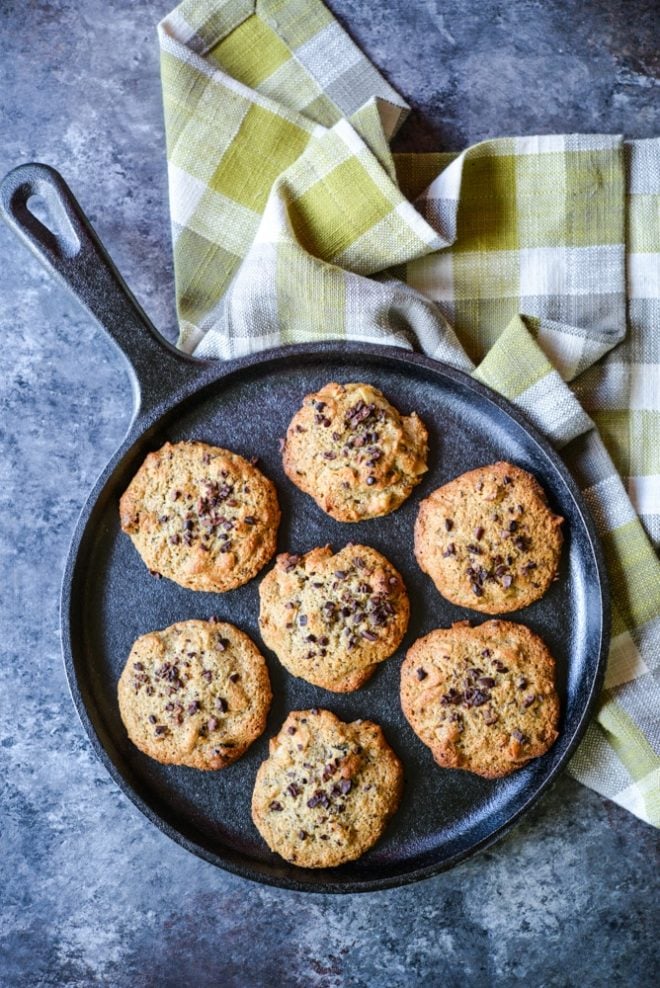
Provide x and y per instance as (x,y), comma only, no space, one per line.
(532,262)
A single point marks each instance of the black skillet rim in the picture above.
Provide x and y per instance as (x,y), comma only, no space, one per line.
(307,352)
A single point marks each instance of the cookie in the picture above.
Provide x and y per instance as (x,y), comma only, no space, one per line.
(201,516)
(326,790)
(488,539)
(353,452)
(330,619)
(482,699)
(196,693)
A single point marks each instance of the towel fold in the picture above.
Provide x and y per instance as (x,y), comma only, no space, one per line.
(532,262)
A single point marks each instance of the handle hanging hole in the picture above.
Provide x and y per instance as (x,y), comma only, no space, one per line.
(49,212)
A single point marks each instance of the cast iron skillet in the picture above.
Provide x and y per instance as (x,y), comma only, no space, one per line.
(108,597)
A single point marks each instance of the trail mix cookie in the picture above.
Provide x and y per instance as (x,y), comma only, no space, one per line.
(196,693)
(327,789)
(353,452)
(331,619)
(488,539)
(201,516)
(482,699)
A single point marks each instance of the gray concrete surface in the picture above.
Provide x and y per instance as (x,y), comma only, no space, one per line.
(90,893)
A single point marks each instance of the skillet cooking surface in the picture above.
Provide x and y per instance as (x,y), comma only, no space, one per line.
(444,814)
(108,597)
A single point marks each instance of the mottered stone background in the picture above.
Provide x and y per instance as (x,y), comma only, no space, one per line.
(90,893)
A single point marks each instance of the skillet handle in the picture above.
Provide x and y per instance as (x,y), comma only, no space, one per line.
(75,256)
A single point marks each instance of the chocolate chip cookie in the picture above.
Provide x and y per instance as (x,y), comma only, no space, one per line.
(196,693)
(331,619)
(482,699)
(353,452)
(488,539)
(327,789)
(201,516)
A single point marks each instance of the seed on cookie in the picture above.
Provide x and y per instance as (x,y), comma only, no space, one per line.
(331,619)
(487,702)
(169,693)
(353,452)
(485,564)
(327,789)
(201,516)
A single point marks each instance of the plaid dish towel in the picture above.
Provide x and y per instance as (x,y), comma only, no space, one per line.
(531,262)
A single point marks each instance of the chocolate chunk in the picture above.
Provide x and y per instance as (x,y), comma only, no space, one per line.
(213,724)
(291,730)
(275,807)
(161,729)
(500,666)
(250,520)
(519,737)
(513,525)
(207,675)
(302,620)
(475,698)
(421,674)
(194,707)
(138,666)
(490,717)
(451,697)
(234,677)
(529,700)
(507,580)
(449,524)
(486,681)
(293,790)
(174,539)
(521,683)
(478,532)
(340,574)
(486,653)
(221,704)
(476,590)
(370,481)
(369,636)
(152,719)
(345,786)
(302,835)
(521,543)
(450,550)
(318,799)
